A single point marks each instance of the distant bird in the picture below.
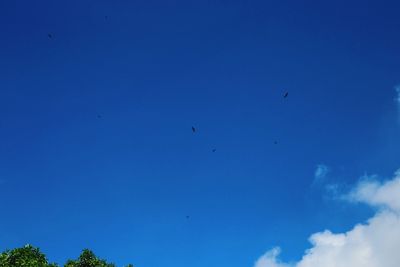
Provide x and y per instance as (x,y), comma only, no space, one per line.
(286,95)
(214,150)
(275,142)
(187,217)
(193,129)
(106,17)
(99,116)
(50,35)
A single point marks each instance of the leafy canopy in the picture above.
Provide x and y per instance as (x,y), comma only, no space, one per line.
(26,256)
(29,256)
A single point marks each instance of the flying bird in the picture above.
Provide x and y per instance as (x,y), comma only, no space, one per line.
(193,129)
(275,142)
(214,150)
(50,35)
(286,95)
(99,116)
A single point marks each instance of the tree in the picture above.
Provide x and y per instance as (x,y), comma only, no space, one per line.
(27,256)
(88,259)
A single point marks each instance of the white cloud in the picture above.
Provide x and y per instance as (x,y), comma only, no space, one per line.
(372,244)
(378,194)
(270,259)
(320,173)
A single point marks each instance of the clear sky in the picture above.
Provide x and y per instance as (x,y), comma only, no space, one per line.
(97,101)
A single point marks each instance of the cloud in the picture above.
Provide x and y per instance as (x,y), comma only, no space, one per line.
(397,88)
(378,194)
(270,259)
(397,99)
(371,244)
(320,173)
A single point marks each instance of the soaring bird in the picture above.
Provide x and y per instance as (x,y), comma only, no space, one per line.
(50,35)
(214,150)
(193,129)
(286,94)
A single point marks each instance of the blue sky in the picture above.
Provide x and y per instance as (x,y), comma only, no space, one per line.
(96,147)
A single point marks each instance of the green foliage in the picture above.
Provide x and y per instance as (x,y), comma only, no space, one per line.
(29,256)
(88,259)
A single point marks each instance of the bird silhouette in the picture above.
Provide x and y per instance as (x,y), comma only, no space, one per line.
(50,35)
(193,129)
(214,150)
(286,95)
(275,142)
